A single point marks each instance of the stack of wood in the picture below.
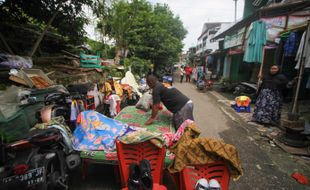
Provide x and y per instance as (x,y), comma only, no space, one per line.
(66,69)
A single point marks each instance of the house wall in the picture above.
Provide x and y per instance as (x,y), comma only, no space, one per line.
(240,71)
(227,63)
(268,60)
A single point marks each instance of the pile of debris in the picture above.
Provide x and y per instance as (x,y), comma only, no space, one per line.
(44,71)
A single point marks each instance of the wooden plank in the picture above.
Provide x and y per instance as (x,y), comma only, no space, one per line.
(75,56)
(53,59)
(18,80)
(49,73)
(73,68)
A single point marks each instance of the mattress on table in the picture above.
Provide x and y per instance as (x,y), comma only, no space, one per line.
(135,117)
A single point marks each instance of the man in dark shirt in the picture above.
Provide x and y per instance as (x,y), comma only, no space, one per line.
(176,102)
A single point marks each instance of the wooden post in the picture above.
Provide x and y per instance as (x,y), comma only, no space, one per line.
(36,45)
(301,71)
(5,44)
(260,73)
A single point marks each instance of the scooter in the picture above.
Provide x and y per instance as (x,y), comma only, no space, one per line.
(209,84)
(204,84)
(40,161)
(201,84)
(59,104)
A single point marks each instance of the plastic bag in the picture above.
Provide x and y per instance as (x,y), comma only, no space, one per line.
(16,62)
(145,102)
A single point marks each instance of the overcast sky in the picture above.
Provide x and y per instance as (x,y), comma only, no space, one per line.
(194,13)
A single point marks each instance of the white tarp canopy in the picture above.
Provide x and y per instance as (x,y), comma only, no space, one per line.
(130,79)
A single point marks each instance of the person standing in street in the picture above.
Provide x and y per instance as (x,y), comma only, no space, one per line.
(188,72)
(269,101)
(182,72)
(176,102)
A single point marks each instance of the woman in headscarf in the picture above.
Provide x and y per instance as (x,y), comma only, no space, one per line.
(269,101)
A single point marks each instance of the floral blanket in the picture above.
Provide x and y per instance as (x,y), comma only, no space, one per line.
(136,117)
(132,116)
(97,132)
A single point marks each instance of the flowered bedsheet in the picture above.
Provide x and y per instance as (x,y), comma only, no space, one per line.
(97,132)
(134,117)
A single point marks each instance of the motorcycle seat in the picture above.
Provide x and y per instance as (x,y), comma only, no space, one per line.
(41,137)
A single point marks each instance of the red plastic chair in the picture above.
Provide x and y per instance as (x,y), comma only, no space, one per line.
(217,170)
(134,153)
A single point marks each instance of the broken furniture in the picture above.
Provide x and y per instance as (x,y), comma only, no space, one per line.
(90,61)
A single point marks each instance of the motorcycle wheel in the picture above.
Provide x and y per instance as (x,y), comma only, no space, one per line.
(52,175)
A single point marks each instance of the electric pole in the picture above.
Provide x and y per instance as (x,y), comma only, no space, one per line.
(235,10)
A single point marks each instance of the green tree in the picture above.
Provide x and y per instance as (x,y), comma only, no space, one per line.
(69,22)
(148,32)
(138,66)
(101,10)
(67,28)
(118,24)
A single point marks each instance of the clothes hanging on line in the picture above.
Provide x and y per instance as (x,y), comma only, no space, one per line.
(77,106)
(210,59)
(304,50)
(291,45)
(256,40)
(279,52)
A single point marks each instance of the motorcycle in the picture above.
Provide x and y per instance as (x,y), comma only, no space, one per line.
(201,84)
(204,84)
(209,84)
(58,104)
(40,161)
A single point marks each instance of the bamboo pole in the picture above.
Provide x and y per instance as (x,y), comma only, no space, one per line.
(6,44)
(36,45)
(301,72)
(260,73)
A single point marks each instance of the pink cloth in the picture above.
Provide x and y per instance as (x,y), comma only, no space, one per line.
(171,138)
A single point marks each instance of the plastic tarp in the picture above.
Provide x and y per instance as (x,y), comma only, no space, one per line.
(10,101)
(130,79)
(15,62)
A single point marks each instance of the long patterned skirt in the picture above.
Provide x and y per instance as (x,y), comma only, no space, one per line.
(268,107)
